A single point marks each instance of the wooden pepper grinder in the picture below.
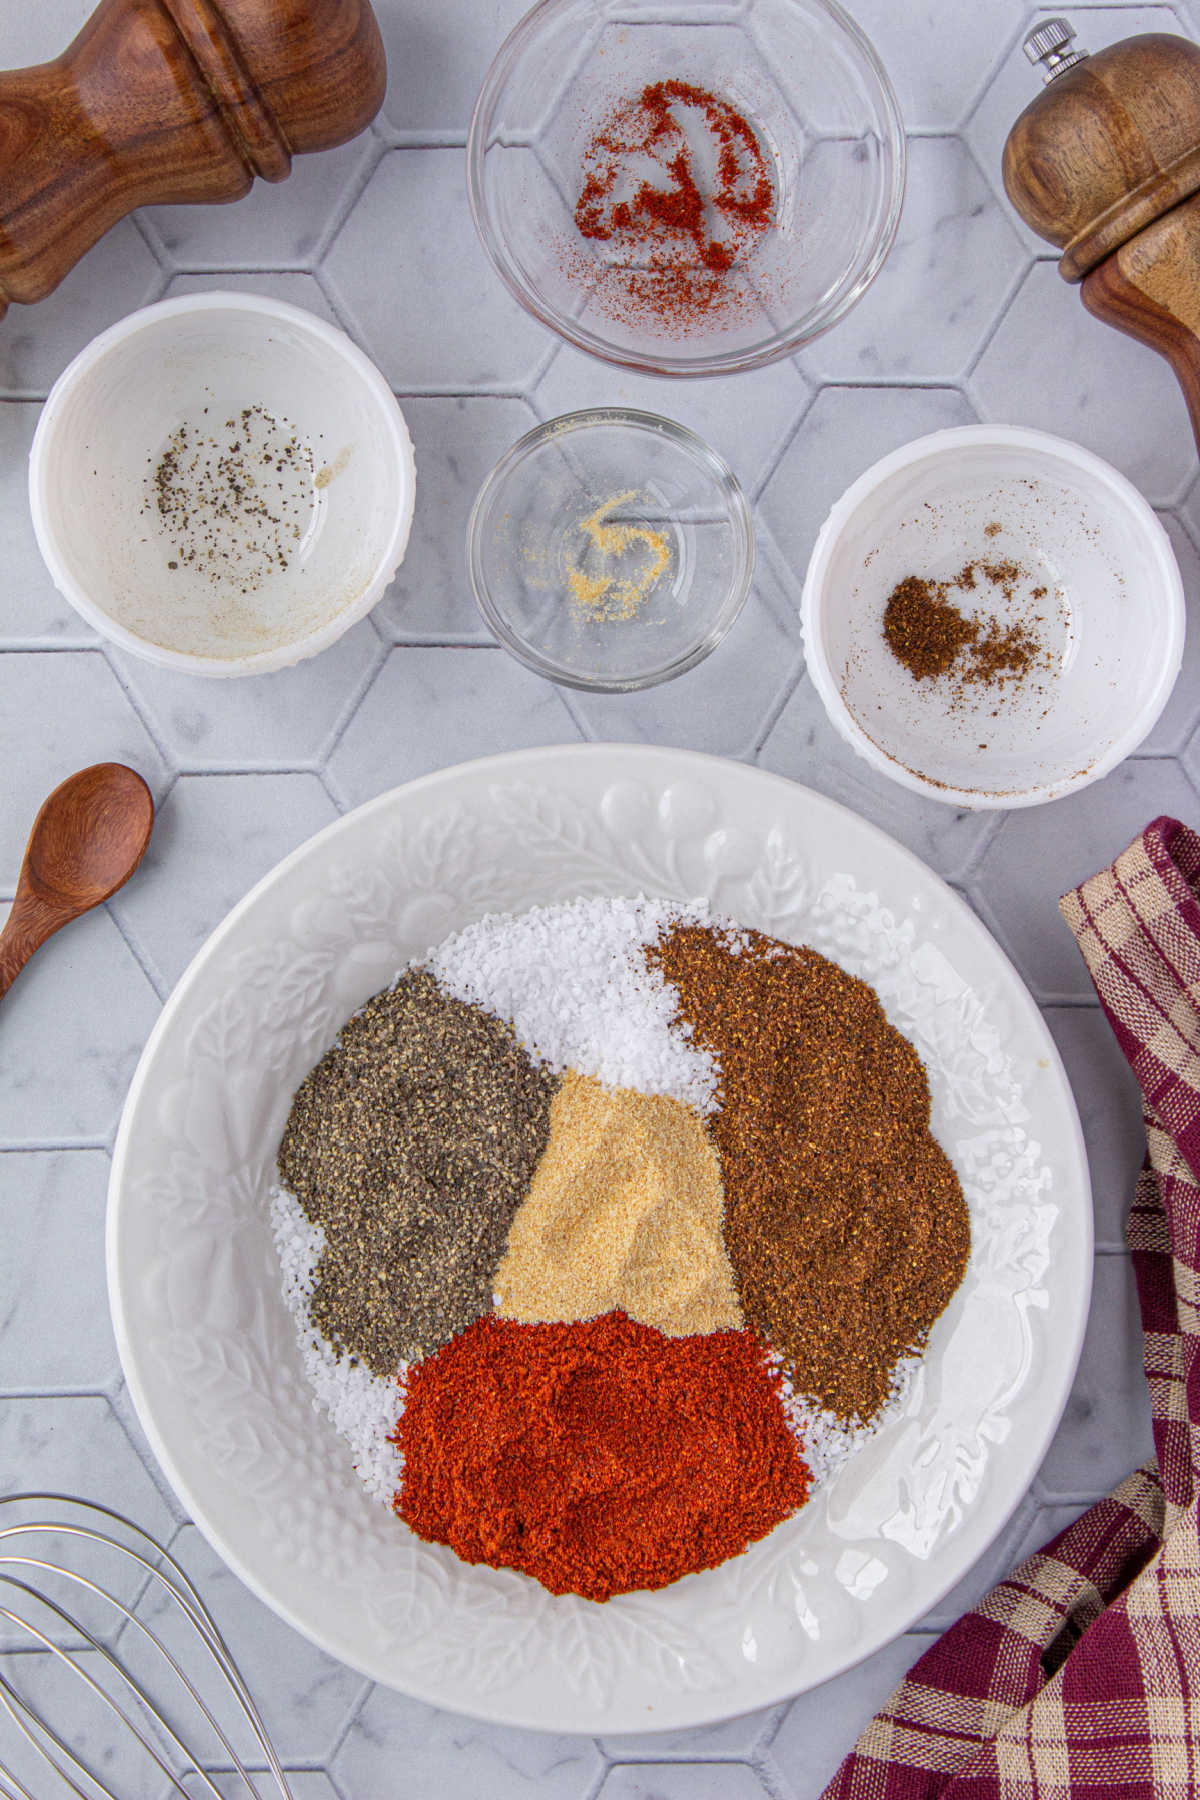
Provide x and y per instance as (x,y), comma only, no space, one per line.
(171,100)
(1105,163)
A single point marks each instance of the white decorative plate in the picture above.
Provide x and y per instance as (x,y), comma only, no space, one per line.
(208,1347)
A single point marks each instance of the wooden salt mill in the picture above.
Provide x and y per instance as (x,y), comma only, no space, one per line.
(171,100)
(1105,164)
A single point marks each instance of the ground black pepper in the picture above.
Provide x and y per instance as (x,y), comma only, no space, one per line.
(412,1143)
(844,1220)
(233,501)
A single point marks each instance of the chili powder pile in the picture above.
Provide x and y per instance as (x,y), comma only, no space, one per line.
(597,1457)
(680,232)
(844,1220)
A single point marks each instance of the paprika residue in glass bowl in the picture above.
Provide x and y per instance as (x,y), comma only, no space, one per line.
(687,192)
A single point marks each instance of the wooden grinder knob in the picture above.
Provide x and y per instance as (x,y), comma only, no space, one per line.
(171,101)
(1105,164)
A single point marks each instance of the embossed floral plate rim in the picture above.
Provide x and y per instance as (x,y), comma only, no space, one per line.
(208,1350)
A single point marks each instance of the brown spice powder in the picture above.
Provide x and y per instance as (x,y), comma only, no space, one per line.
(929,635)
(844,1220)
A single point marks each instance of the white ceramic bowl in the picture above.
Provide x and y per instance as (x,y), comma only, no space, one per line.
(1099,587)
(209,1350)
(200,361)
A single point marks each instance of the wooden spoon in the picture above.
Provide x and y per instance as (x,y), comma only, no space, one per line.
(87,840)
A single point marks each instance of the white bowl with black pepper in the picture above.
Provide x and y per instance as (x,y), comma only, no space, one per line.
(993,617)
(222,484)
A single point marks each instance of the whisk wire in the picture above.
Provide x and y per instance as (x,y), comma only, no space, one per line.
(111,1662)
(12,1701)
(118,1667)
(179,1589)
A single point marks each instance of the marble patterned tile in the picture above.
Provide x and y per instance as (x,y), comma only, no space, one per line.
(456,441)
(844,431)
(747,418)
(734,1738)
(215,836)
(429,708)
(821,1726)
(264,720)
(60,713)
(74,1445)
(415,280)
(1110,1111)
(305,1784)
(37,342)
(1052,366)
(1026,867)
(946,278)
(53,1269)
(34,34)
(32,612)
(686,1781)
(409,1751)
(277,224)
(437,58)
(718,706)
(305,1698)
(803,745)
(69,1706)
(937,55)
(1105,1430)
(81,1011)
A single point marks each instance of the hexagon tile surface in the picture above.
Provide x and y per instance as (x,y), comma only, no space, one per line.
(968,320)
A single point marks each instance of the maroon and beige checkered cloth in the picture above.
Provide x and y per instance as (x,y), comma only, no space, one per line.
(1080,1674)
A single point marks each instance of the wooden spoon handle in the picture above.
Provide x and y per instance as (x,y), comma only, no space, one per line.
(31,921)
(1150,288)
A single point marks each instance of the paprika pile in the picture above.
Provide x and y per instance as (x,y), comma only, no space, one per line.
(598,1456)
(677,233)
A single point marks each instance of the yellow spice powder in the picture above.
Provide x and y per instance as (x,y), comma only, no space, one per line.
(616,595)
(625,1209)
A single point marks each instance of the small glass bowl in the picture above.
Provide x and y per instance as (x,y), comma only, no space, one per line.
(824,114)
(610,550)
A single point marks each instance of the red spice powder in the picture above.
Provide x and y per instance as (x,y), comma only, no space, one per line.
(683,227)
(598,1456)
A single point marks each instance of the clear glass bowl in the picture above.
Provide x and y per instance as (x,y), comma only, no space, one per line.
(610,550)
(827,123)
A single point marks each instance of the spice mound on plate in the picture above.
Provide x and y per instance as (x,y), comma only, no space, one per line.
(597,1457)
(845,1222)
(624,1212)
(412,1144)
(603,1228)
(678,190)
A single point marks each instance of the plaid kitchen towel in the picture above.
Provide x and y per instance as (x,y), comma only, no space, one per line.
(1080,1674)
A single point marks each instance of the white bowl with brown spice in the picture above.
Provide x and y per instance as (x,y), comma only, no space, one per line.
(993,617)
(222,484)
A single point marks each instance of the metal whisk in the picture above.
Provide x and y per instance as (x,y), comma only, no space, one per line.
(130,1705)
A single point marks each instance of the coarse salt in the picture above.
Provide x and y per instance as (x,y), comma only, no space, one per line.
(363,1408)
(573,982)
